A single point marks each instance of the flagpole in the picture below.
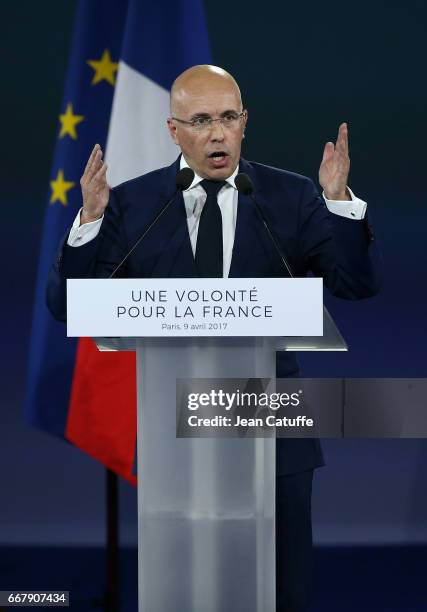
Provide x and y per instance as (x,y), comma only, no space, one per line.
(112,590)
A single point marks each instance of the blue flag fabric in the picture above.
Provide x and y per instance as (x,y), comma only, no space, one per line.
(98,27)
(157,40)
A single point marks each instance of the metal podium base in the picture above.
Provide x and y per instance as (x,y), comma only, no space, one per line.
(205,506)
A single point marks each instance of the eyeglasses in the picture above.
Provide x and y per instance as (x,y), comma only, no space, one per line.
(204,122)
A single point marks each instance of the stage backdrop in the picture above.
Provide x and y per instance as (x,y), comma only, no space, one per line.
(303,68)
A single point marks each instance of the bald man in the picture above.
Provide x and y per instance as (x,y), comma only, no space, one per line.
(333,241)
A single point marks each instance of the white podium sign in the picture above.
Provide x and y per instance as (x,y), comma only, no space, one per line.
(195,307)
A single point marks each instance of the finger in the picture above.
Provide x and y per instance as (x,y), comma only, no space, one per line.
(346,138)
(91,157)
(342,158)
(328,151)
(99,182)
(95,166)
(100,175)
(342,140)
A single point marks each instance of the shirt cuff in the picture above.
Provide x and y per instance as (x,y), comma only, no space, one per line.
(351,209)
(82,234)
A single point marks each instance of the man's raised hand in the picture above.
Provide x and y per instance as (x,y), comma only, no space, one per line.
(335,166)
(95,189)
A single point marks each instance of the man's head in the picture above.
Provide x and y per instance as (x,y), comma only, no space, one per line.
(197,95)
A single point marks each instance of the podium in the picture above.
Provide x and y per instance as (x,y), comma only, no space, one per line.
(206,507)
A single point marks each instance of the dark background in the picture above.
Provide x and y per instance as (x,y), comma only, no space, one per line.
(302,70)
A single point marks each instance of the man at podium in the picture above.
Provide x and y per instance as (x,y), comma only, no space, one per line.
(209,233)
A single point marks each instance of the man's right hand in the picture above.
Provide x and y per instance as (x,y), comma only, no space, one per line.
(95,189)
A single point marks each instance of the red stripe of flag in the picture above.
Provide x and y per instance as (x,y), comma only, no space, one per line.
(102,410)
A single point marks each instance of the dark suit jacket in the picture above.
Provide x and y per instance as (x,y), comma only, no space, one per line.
(342,251)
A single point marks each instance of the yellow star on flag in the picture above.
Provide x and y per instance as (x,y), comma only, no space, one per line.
(104,68)
(69,121)
(59,188)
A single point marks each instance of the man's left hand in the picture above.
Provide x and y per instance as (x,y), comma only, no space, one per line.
(335,166)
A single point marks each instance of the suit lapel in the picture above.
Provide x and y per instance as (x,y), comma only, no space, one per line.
(176,259)
(246,237)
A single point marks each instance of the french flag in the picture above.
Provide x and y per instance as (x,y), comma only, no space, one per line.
(123,60)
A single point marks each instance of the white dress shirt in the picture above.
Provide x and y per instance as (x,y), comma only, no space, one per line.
(194,200)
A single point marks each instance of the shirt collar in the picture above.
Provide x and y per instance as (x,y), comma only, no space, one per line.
(197,179)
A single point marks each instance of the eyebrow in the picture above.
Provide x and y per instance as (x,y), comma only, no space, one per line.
(197,115)
(207,116)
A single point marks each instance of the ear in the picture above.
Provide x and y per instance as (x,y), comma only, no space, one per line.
(173,131)
(245,122)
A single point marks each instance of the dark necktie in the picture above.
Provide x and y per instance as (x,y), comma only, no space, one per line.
(209,236)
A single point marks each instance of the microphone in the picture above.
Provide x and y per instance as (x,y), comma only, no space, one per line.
(183,180)
(245,186)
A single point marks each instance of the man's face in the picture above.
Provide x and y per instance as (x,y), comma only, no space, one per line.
(213,152)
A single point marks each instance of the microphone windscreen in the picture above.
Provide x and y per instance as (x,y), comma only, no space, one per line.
(244,184)
(184,178)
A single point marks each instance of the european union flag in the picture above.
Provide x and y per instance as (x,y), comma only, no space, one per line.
(124,58)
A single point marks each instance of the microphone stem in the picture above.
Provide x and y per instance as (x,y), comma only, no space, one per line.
(157,217)
(273,239)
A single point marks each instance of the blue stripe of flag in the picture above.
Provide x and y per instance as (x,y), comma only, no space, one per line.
(99,25)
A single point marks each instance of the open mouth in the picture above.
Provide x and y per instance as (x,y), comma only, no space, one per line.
(218,156)
(218,159)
